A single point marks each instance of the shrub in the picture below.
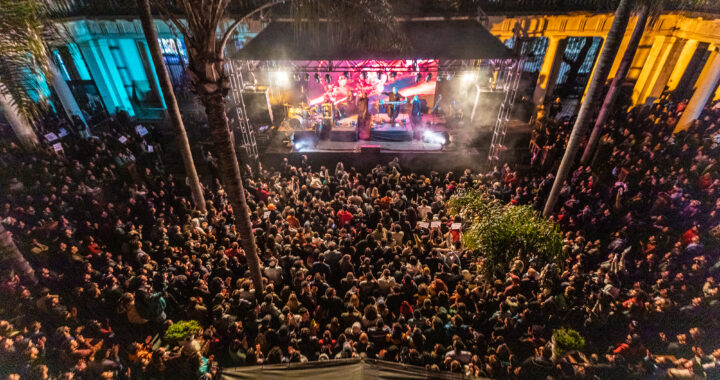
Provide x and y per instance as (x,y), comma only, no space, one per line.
(502,233)
(567,340)
(182,330)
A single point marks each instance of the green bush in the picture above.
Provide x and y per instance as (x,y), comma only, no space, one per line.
(182,330)
(502,233)
(567,340)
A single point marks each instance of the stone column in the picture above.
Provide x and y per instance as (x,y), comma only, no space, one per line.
(688,51)
(63,92)
(653,68)
(706,86)
(549,70)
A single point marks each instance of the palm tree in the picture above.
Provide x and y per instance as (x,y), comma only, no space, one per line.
(206,37)
(646,10)
(172,105)
(24,65)
(210,82)
(602,69)
(617,81)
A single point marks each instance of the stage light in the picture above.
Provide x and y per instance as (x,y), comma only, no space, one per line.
(282,78)
(428,77)
(346,75)
(379,75)
(364,75)
(317,77)
(469,76)
(328,78)
(307,77)
(434,138)
(418,77)
(393,75)
(415,66)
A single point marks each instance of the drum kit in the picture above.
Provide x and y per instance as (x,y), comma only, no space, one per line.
(302,117)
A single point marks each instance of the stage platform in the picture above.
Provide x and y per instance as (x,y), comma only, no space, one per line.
(384,146)
(345,130)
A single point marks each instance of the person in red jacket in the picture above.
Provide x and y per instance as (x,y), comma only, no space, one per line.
(344,216)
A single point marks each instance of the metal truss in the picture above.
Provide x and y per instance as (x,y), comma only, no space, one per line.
(237,113)
(509,78)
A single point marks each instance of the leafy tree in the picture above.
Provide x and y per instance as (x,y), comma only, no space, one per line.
(503,233)
(181,330)
(566,340)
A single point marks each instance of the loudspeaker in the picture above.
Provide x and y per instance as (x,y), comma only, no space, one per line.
(370,149)
(257,105)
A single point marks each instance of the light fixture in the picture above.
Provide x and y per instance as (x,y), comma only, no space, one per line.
(328,78)
(428,77)
(393,75)
(346,75)
(364,75)
(307,77)
(418,77)
(282,78)
(379,75)
(469,76)
(317,77)
(415,66)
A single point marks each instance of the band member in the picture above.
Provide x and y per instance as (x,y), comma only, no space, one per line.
(393,108)
(328,118)
(416,111)
(363,120)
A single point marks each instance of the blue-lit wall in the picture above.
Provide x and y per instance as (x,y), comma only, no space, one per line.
(111,58)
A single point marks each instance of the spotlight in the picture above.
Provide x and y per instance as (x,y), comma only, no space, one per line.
(317,77)
(328,78)
(379,75)
(428,77)
(469,76)
(418,77)
(282,78)
(346,75)
(307,77)
(364,75)
(296,77)
(415,66)
(393,75)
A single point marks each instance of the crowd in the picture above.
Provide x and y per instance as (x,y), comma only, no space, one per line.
(120,254)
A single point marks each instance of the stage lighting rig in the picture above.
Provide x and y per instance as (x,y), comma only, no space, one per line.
(418,77)
(317,77)
(364,75)
(328,78)
(428,77)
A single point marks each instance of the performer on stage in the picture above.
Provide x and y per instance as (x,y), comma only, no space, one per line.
(393,104)
(363,120)
(328,118)
(416,111)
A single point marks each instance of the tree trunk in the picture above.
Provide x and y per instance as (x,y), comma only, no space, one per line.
(12,258)
(24,132)
(602,69)
(172,105)
(230,174)
(617,81)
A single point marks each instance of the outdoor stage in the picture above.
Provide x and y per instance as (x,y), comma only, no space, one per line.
(449,90)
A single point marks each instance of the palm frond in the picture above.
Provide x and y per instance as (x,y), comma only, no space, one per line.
(24,67)
(354,23)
